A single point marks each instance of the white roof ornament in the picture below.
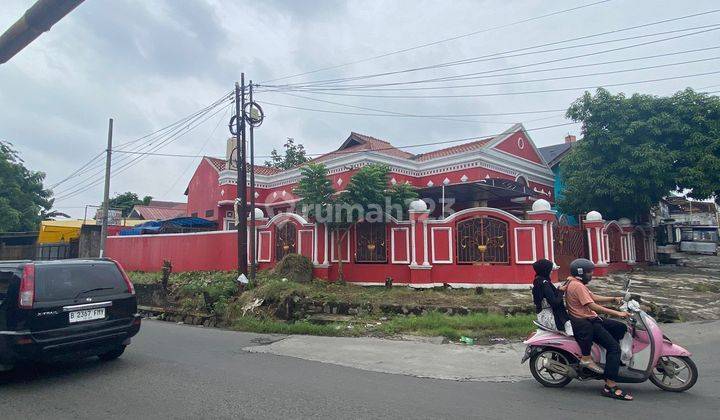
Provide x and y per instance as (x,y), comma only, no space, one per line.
(464,178)
(487,176)
(339,181)
(393,181)
(541,205)
(418,205)
(593,216)
(446,181)
(259,214)
(257,194)
(430,184)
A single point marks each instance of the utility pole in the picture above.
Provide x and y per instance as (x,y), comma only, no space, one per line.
(106,194)
(253,254)
(241,176)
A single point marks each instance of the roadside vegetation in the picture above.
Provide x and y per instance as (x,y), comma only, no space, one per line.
(382,312)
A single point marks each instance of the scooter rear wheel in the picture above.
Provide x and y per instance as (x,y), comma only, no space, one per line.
(543,375)
(683,376)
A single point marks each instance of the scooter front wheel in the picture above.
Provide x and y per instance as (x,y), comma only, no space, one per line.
(674,373)
(538,367)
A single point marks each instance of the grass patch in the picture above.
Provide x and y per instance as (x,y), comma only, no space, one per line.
(478,325)
(706,287)
(271,326)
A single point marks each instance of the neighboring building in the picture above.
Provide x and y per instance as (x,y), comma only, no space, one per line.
(692,224)
(158,210)
(553,155)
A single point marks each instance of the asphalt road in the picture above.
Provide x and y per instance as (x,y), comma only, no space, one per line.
(175,371)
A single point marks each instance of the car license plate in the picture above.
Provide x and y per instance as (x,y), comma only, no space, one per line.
(87,315)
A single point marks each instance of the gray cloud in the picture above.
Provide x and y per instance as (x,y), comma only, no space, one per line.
(148,63)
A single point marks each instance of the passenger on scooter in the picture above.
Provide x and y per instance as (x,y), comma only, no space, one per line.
(588,327)
(549,303)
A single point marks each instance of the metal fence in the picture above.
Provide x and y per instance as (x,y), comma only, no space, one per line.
(41,252)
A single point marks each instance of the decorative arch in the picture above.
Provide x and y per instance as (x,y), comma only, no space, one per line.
(522,180)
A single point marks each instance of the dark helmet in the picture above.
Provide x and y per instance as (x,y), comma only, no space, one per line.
(582,268)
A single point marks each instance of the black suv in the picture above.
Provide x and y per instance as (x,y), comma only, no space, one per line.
(66,309)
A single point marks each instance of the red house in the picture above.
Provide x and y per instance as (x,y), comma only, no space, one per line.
(498,220)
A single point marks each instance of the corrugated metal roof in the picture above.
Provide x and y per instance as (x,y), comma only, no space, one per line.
(158,213)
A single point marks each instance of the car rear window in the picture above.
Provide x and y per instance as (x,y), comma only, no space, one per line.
(65,282)
(6,276)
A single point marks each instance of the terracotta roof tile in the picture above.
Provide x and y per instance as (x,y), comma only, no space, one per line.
(357,142)
(454,150)
(221,164)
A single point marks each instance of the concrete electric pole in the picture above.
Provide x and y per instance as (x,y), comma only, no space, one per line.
(106,193)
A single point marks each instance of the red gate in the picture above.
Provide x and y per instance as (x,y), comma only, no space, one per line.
(569,243)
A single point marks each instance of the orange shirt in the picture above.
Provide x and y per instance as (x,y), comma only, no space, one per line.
(577,297)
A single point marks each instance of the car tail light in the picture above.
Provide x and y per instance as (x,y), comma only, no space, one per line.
(26,297)
(129,284)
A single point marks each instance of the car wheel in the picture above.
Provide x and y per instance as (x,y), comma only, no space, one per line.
(112,354)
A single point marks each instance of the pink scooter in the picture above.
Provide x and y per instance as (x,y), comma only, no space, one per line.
(554,356)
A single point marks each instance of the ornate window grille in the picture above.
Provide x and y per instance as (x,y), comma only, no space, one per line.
(639,246)
(286,240)
(482,240)
(370,240)
(614,244)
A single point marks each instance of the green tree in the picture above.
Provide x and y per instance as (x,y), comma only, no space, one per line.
(295,155)
(367,197)
(126,201)
(23,199)
(637,149)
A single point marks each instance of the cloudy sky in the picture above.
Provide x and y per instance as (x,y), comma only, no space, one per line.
(149,63)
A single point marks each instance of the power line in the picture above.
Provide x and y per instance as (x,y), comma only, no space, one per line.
(94,163)
(503,53)
(178,134)
(493,114)
(466,76)
(546,79)
(478,95)
(437,42)
(205,143)
(161,138)
(132,162)
(409,146)
(328,111)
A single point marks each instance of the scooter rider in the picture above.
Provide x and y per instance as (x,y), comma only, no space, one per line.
(583,307)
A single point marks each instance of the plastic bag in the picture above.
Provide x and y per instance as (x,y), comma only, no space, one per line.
(626,353)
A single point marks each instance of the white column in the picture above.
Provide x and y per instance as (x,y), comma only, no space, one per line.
(412,236)
(425,243)
(590,247)
(600,246)
(315,245)
(545,240)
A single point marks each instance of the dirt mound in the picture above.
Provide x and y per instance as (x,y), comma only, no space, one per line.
(295,268)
